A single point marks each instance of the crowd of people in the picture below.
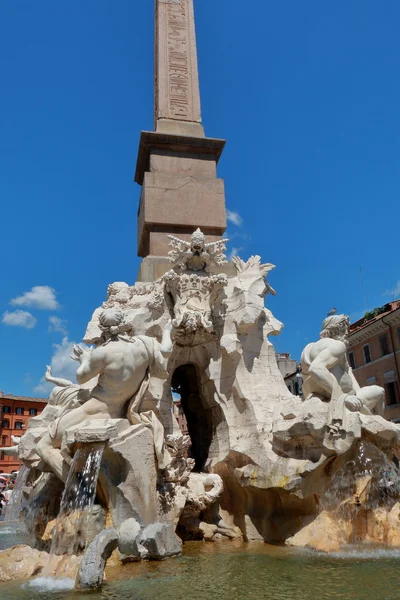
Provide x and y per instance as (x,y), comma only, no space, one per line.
(7,481)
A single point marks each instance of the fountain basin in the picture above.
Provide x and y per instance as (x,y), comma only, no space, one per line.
(239,570)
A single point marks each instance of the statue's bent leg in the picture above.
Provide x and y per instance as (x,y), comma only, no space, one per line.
(48,447)
(51,456)
(373,397)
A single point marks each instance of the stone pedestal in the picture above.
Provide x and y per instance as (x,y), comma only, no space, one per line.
(180,190)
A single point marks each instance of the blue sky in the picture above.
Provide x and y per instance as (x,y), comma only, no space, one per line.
(307,95)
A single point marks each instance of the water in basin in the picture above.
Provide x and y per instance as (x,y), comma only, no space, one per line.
(240,571)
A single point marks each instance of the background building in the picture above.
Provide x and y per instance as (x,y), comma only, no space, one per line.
(15,412)
(374,353)
(180,415)
(294,382)
(291,372)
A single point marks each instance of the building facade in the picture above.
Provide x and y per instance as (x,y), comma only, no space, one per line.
(374,353)
(294,382)
(291,372)
(15,412)
(286,364)
(180,416)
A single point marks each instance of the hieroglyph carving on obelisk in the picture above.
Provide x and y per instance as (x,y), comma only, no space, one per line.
(177,94)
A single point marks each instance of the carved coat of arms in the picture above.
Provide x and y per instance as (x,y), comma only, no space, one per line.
(194,293)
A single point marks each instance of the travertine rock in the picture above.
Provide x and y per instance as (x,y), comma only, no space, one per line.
(128,534)
(91,569)
(203,492)
(160,541)
(62,566)
(380,432)
(393,534)
(73,525)
(208,530)
(130,476)
(331,531)
(21,562)
(326,534)
(305,436)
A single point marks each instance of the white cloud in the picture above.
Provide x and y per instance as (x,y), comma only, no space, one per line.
(40,296)
(234,217)
(62,365)
(234,252)
(239,234)
(19,318)
(57,324)
(394,293)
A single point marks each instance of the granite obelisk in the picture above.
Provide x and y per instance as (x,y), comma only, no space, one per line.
(176,164)
(177,91)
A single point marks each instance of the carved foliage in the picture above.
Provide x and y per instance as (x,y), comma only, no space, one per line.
(245,270)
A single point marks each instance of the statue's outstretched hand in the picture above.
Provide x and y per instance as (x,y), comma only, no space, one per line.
(78,353)
(48,372)
(353,403)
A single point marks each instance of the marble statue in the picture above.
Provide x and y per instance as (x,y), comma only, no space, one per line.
(66,394)
(120,362)
(12,450)
(328,376)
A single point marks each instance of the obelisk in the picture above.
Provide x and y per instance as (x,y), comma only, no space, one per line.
(176,164)
(177,91)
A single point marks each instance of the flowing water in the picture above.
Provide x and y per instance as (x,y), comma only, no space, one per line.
(238,571)
(13,533)
(370,477)
(77,500)
(73,521)
(14,506)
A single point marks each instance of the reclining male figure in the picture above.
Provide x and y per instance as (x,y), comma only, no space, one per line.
(120,362)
